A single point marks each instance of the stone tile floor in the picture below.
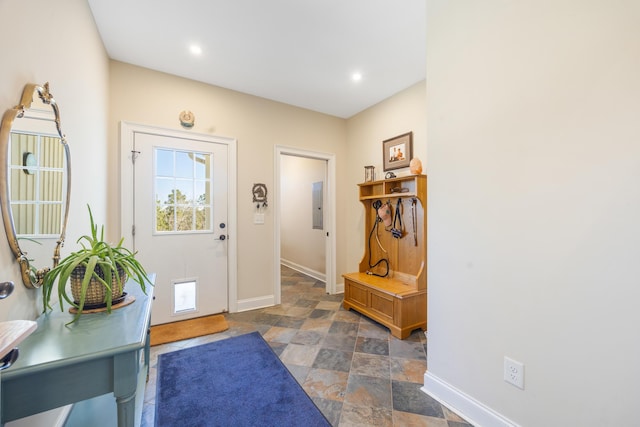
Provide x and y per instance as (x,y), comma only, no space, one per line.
(355,371)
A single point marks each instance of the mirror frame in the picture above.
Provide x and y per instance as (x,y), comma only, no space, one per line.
(31,277)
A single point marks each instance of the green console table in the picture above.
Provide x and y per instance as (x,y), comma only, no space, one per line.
(99,354)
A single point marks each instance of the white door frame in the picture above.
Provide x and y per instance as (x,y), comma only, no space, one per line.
(329,215)
(127,131)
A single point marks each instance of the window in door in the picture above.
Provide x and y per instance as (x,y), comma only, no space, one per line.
(182,187)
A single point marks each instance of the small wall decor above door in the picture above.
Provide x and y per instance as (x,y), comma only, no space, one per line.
(187,119)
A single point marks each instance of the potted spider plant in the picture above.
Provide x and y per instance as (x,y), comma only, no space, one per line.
(98,272)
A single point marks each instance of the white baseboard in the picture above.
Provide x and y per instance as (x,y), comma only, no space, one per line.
(304,270)
(269,300)
(255,303)
(462,404)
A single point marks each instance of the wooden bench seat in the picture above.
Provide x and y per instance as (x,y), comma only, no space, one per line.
(397,305)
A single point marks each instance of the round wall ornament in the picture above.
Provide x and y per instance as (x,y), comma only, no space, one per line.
(259,193)
(187,119)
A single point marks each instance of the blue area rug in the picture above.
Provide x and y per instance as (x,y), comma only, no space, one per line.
(238,381)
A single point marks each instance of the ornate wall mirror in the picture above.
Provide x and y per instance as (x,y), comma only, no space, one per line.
(35,181)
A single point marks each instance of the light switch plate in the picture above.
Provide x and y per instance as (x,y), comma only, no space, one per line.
(258,218)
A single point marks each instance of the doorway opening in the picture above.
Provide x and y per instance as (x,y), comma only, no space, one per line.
(324,237)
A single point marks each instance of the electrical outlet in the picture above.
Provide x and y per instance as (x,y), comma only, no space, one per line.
(514,372)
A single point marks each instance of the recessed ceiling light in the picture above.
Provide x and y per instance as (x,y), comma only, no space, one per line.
(195,50)
(356,77)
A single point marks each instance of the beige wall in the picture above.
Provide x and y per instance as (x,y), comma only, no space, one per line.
(534,159)
(56,42)
(143,96)
(401,113)
(65,50)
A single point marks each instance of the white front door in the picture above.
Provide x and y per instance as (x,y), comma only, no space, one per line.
(180,197)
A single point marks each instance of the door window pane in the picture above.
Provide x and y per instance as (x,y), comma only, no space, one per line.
(184,165)
(184,218)
(184,191)
(164,190)
(203,166)
(182,185)
(202,193)
(203,217)
(164,162)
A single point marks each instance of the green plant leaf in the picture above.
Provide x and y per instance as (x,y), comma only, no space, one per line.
(97,256)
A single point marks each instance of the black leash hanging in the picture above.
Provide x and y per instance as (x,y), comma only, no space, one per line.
(414,220)
(376,205)
(397,232)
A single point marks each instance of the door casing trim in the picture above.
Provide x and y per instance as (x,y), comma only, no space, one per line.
(127,131)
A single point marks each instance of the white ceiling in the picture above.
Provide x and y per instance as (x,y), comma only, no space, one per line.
(300,52)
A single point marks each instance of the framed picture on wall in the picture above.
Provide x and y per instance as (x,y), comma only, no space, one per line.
(397,151)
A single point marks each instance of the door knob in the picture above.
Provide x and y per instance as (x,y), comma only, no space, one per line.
(222,237)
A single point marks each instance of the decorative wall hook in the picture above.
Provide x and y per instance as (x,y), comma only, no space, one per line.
(260,194)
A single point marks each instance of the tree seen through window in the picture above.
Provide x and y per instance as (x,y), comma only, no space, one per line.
(179,211)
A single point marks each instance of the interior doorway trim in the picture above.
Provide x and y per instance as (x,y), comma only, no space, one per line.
(329,218)
(127,132)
